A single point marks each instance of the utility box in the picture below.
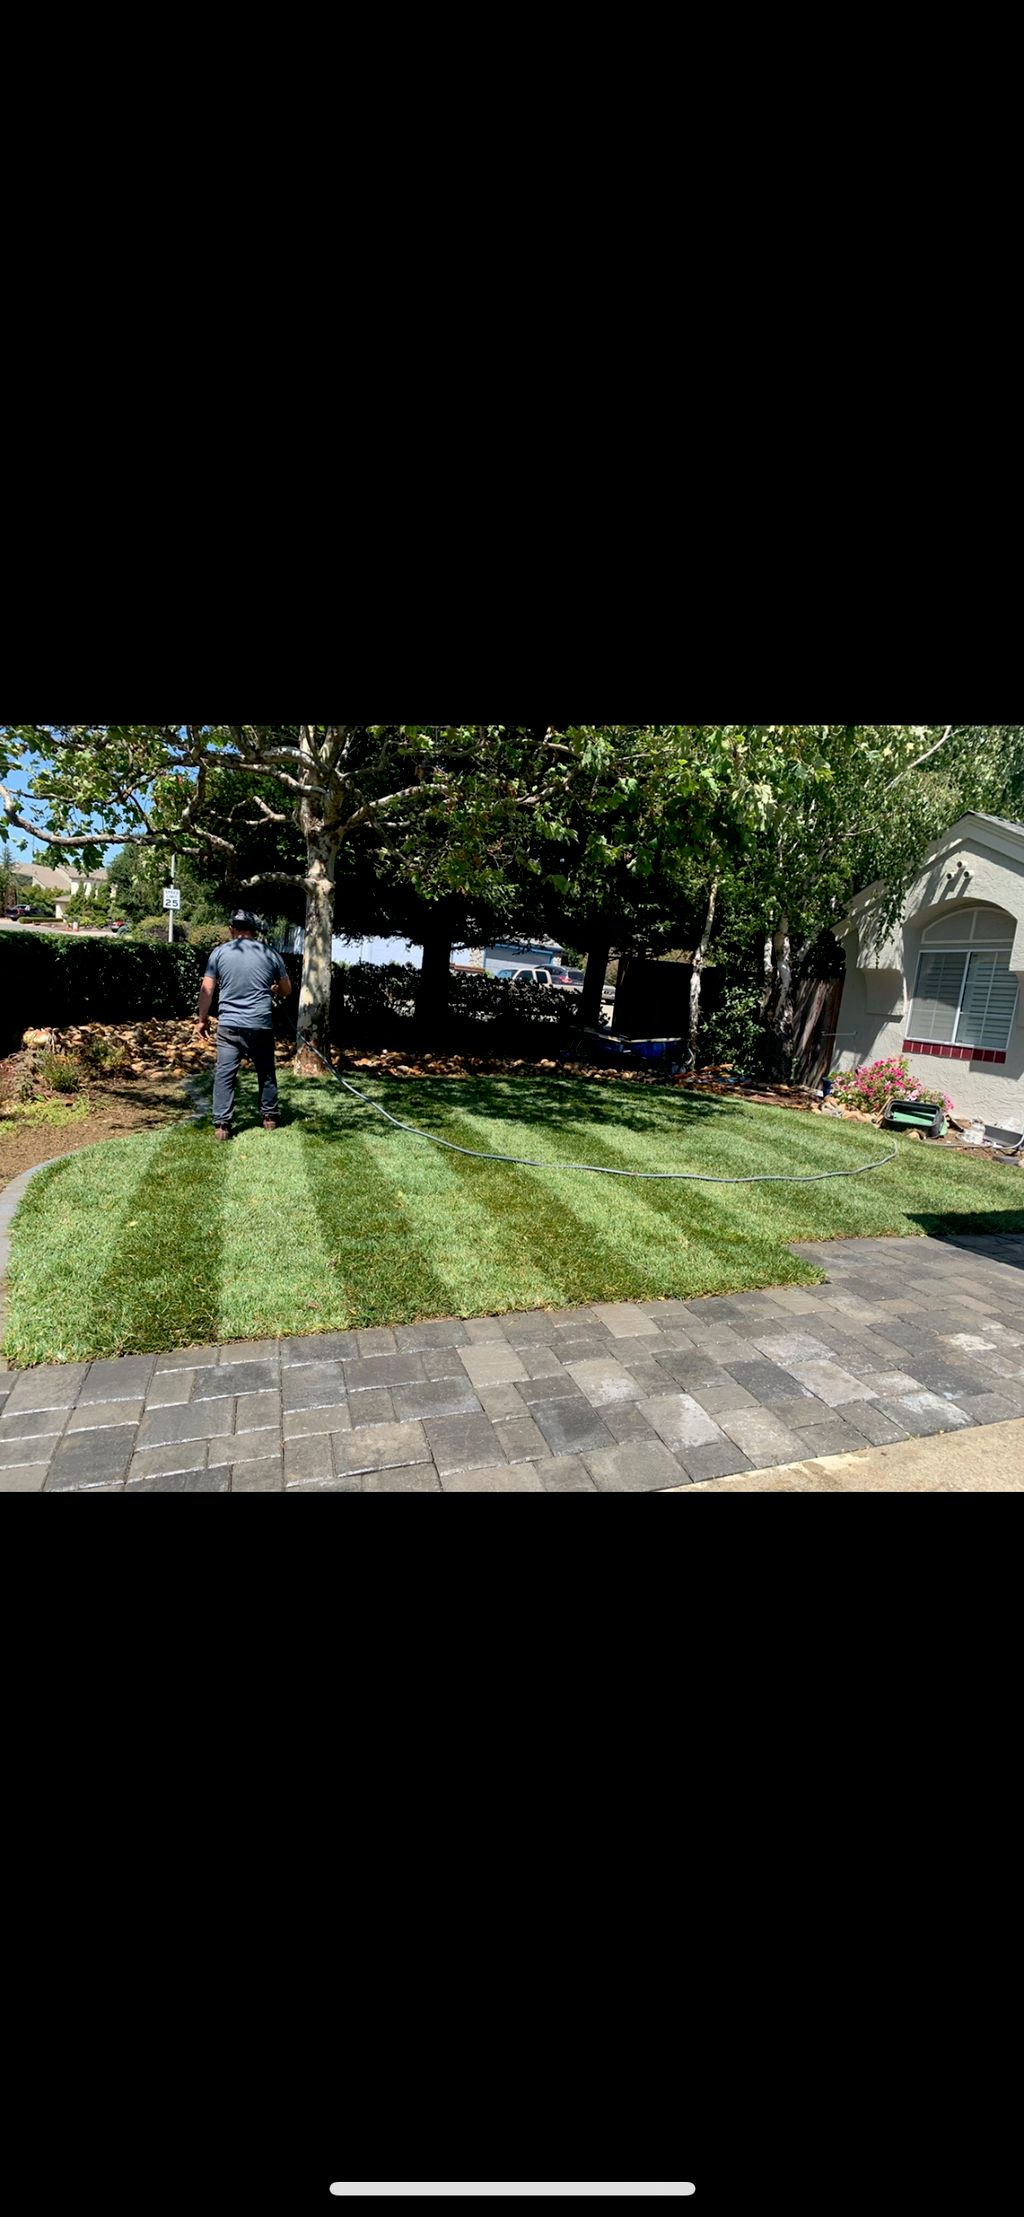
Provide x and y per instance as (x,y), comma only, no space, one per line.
(918,1116)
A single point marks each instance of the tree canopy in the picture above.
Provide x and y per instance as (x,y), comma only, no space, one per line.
(748,838)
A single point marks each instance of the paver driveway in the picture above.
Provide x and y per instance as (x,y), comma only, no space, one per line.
(908,1337)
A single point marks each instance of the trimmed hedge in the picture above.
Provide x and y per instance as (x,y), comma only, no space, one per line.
(46,980)
(50,980)
(364,990)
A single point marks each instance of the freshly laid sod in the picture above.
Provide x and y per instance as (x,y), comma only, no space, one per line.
(166,1239)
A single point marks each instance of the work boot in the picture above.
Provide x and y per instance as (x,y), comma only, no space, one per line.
(222,1131)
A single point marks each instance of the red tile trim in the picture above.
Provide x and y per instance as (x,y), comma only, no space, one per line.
(952,1054)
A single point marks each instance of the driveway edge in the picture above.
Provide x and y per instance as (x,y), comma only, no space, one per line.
(989,1459)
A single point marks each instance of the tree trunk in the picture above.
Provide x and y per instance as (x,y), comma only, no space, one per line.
(695,975)
(778,1009)
(314,1012)
(769,973)
(432,990)
(598,957)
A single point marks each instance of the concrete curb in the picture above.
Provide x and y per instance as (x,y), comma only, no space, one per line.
(989,1459)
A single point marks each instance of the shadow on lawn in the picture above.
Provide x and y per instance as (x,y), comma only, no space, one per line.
(998,1234)
(247,1115)
(556,1104)
(162,1285)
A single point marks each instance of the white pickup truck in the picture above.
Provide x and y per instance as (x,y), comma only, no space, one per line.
(524,975)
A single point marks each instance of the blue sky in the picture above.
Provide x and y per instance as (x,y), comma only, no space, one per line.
(22,845)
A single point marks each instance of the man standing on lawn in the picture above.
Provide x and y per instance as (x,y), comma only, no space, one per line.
(250,978)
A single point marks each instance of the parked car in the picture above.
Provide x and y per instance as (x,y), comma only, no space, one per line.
(570,980)
(523,974)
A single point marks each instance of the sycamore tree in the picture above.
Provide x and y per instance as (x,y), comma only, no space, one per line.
(164,787)
(91,786)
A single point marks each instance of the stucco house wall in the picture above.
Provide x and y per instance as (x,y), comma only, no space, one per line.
(969,895)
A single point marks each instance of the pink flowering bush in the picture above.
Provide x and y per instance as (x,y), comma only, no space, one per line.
(875,1084)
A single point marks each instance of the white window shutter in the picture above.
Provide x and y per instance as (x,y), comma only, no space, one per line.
(939,982)
(990,999)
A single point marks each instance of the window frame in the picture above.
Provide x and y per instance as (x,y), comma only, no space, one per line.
(924,952)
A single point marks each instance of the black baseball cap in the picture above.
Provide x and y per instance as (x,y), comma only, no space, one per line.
(245,918)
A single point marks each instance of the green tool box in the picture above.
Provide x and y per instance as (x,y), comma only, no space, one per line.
(918,1116)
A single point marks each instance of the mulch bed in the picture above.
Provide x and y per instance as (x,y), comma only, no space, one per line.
(141,1087)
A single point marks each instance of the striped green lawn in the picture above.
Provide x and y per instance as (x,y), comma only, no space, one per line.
(166,1239)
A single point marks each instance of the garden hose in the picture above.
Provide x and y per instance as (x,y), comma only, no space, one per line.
(598,1169)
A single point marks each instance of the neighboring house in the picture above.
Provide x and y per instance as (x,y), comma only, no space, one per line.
(942,987)
(62,882)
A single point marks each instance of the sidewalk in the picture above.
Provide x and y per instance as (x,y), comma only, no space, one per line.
(786,1390)
(989,1460)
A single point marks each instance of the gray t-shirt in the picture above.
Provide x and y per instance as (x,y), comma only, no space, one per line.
(245,972)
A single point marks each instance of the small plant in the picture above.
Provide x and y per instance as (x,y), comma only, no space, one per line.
(62,1073)
(875,1084)
(43,1112)
(99,1053)
(16,1084)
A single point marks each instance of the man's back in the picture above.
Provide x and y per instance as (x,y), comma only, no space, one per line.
(245,972)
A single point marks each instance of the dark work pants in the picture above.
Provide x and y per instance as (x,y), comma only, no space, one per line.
(231,1046)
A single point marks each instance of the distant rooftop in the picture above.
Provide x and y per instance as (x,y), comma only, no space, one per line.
(60,880)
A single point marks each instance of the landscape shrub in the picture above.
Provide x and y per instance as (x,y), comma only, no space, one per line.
(57,981)
(372,1004)
(152,931)
(733,1031)
(486,999)
(366,989)
(99,1053)
(51,980)
(109,982)
(875,1084)
(62,1073)
(92,909)
(29,991)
